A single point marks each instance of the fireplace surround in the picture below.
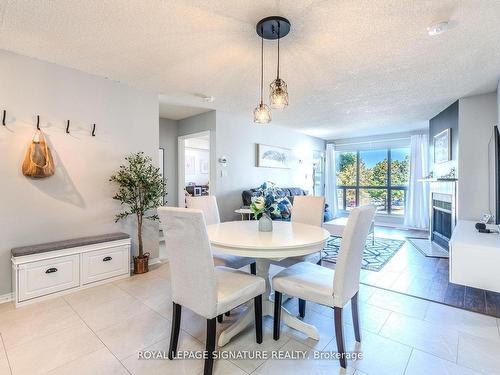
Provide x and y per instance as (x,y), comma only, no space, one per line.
(443,213)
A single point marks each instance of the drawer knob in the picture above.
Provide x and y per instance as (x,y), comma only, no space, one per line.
(107,259)
(51,270)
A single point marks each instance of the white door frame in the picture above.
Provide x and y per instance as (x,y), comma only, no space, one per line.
(181,176)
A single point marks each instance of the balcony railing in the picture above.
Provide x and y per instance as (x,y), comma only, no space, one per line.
(386,204)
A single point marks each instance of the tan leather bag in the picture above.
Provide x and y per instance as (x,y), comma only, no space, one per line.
(38,162)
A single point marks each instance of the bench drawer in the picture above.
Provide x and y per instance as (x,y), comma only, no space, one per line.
(48,276)
(103,264)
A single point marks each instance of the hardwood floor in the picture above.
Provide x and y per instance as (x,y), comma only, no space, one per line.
(410,272)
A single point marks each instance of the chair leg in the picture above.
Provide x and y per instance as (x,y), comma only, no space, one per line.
(253,268)
(258,318)
(220,318)
(302,308)
(210,347)
(339,335)
(174,333)
(355,317)
(373,238)
(277,315)
(228,313)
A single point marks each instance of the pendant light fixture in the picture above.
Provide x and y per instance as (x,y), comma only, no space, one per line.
(278,94)
(271,28)
(262,113)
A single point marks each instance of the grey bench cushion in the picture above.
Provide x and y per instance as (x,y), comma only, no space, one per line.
(59,245)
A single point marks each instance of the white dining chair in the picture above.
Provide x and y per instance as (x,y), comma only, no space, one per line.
(197,284)
(208,204)
(333,288)
(306,210)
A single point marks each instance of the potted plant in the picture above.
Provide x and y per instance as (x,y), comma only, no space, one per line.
(141,188)
(268,205)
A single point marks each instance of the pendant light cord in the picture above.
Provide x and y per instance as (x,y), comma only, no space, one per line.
(278,70)
(262,69)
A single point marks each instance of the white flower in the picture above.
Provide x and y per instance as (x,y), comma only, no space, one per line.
(259,202)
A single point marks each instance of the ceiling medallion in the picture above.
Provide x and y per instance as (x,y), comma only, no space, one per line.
(272,28)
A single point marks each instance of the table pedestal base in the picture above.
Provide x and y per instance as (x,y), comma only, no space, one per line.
(267,310)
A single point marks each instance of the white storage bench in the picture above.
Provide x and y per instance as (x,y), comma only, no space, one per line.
(50,269)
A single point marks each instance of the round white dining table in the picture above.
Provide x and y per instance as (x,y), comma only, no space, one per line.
(286,240)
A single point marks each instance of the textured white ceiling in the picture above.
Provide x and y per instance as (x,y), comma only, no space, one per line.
(352,67)
(178,112)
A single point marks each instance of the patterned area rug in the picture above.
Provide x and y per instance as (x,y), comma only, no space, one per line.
(375,255)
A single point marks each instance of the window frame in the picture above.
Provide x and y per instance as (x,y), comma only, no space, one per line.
(387,187)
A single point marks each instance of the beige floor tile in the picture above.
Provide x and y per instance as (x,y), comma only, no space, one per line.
(100,362)
(371,318)
(178,366)
(11,313)
(423,363)
(479,354)
(245,341)
(95,296)
(463,321)
(26,327)
(110,313)
(160,270)
(428,337)
(226,367)
(324,324)
(144,288)
(303,366)
(410,306)
(135,333)
(381,356)
(162,304)
(4,362)
(49,352)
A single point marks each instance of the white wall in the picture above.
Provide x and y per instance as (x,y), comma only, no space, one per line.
(476,117)
(76,201)
(168,141)
(237,137)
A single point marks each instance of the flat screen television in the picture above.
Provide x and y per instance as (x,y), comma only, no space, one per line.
(496,137)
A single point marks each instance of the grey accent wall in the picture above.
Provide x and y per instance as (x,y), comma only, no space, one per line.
(446,119)
(477,116)
(168,141)
(77,200)
(237,137)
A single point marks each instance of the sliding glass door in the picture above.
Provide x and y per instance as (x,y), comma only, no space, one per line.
(379,177)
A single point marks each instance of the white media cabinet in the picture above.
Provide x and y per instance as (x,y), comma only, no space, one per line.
(475,257)
(47,270)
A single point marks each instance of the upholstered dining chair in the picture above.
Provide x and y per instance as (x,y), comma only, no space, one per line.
(208,204)
(197,284)
(333,288)
(306,209)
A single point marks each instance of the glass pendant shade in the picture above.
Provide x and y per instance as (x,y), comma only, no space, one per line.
(278,95)
(262,114)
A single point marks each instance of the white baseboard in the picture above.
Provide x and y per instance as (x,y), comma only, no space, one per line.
(5,298)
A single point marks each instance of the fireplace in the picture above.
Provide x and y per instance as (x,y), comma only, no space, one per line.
(443,212)
(441,219)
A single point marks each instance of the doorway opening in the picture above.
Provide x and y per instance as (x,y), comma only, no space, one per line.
(195,169)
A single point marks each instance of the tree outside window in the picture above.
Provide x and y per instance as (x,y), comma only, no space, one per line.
(379,177)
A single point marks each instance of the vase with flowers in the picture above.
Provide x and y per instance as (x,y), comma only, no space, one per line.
(268,205)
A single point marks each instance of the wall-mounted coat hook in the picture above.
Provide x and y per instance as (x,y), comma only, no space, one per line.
(93,130)
(67,127)
(38,122)
(3,117)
